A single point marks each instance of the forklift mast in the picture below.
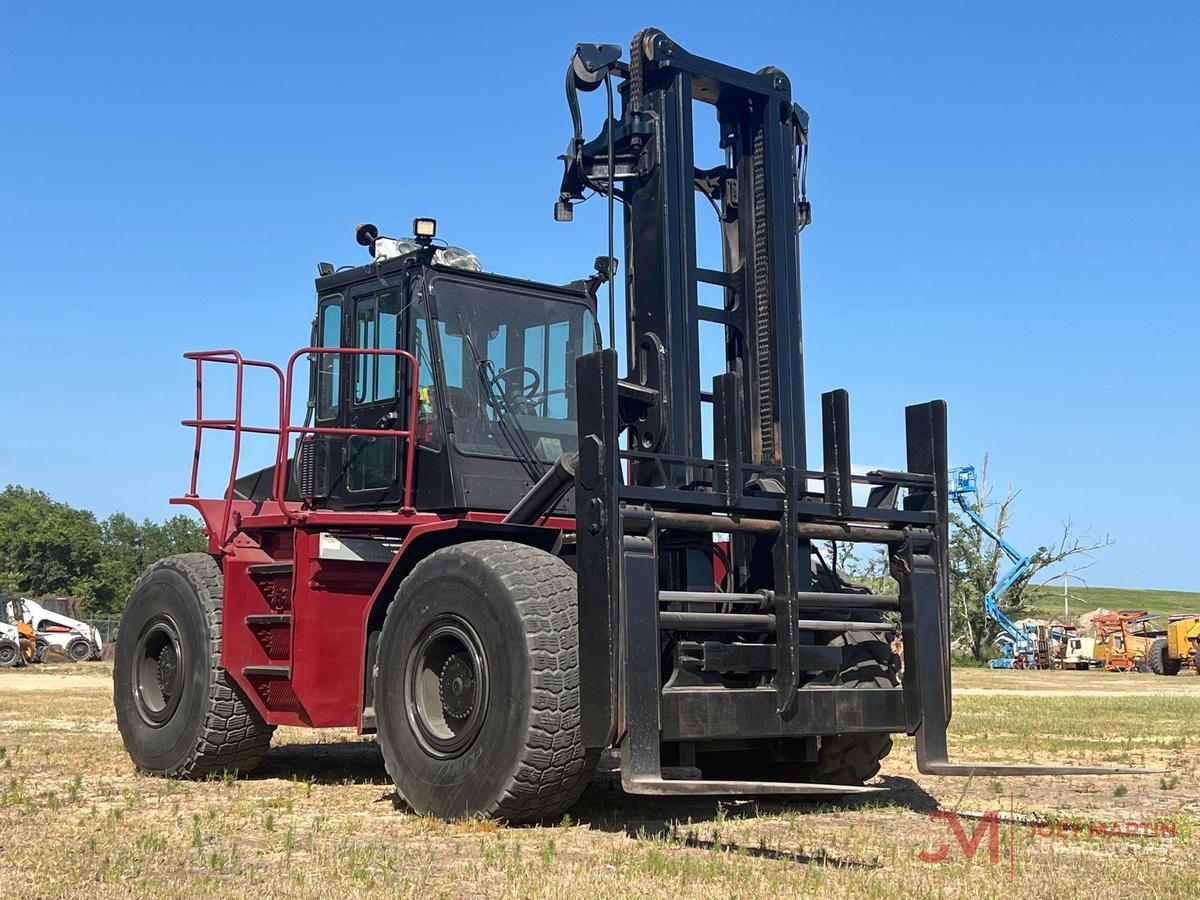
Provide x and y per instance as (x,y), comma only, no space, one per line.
(759,197)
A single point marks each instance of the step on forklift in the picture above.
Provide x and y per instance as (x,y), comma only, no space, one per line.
(501,556)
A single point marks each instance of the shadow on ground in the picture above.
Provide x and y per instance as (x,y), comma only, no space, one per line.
(357,762)
(604,807)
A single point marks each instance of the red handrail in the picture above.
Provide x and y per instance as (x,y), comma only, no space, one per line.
(279,486)
(285,429)
(234,358)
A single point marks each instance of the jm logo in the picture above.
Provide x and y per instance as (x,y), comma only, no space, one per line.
(989,827)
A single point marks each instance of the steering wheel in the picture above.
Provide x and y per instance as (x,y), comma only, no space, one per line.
(520,392)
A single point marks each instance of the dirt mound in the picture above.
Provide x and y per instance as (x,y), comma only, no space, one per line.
(1085,621)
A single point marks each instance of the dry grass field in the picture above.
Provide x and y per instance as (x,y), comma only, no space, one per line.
(320,819)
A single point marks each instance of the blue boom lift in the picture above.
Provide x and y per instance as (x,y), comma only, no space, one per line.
(1020,648)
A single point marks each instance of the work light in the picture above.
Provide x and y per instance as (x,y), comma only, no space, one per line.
(424,229)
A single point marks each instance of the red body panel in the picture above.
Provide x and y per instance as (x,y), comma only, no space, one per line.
(241,647)
(295,626)
(328,609)
(305,670)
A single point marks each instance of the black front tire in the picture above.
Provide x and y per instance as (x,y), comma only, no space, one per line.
(10,654)
(1159,660)
(80,650)
(178,711)
(477,685)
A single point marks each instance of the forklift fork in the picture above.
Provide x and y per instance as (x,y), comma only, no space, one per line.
(927,690)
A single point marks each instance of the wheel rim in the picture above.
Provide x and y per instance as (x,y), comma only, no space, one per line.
(158,663)
(80,650)
(446,687)
(8,654)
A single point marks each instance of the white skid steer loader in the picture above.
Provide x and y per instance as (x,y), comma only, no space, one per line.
(10,646)
(75,639)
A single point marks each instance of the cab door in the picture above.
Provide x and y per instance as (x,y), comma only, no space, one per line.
(373,471)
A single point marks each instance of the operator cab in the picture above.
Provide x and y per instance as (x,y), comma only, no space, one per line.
(489,369)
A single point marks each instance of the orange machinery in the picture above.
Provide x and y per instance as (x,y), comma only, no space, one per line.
(1117,645)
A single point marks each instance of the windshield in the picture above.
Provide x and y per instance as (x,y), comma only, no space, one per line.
(10,610)
(509,360)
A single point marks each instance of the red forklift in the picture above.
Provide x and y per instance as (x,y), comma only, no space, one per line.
(500,555)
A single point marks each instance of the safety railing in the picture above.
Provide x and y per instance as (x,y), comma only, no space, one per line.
(285,430)
(279,485)
(235,425)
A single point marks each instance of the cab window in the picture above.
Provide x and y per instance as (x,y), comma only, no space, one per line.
(376,327)
(547,351)
(509,363)
(371,459)
(428,433)
(329,365)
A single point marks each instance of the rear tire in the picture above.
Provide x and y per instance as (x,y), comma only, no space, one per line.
(477,685)
(179,713)
(855,758)
(1159,660)
(80,650)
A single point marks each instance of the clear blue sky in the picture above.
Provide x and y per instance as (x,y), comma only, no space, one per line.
(1005,198)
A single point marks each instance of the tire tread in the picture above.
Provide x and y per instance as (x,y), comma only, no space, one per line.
(553,767)
(855,758)
(233,736)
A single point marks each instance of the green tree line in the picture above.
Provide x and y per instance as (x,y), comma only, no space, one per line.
(48,547)
(53,548)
